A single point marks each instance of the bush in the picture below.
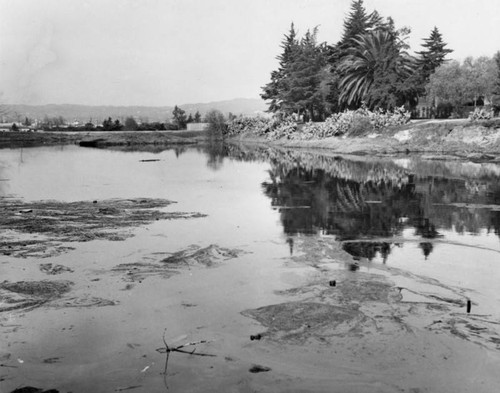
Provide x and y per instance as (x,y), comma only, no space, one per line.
(359,125)
(245,124)
(355,122)
(276,127)
(345,123)
(216,124)
(480,114)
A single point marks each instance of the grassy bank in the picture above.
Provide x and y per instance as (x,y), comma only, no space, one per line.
(10,139)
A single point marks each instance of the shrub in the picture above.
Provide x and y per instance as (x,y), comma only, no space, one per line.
(276,127)
(245,124)
(355,122)
(360,124)
(216,124)
(480,114)
(347,122)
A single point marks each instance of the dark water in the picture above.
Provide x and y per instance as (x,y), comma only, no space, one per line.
(431,217)
(360,200)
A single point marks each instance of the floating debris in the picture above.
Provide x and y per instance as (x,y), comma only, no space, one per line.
(259,369)
(49,268)
(31,389)
(137,272)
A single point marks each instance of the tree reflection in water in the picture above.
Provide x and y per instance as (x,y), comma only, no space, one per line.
(368,250)
(427,248)
(369,198)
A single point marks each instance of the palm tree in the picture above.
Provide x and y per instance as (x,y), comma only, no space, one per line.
(377,70)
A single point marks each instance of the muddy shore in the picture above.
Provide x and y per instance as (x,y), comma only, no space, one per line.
(432,139)
(338,325)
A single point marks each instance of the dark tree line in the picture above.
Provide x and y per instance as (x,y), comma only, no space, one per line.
(370,64)
(178,121)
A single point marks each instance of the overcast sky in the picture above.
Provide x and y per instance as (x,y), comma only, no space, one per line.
(166,52)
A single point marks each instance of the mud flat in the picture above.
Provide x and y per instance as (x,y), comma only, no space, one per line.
(45,228)
(373,334)
(341,325)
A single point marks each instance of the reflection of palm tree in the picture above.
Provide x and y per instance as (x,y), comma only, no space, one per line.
(349,198)
(368,250)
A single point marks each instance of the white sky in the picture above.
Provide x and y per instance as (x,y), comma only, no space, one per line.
(166,52)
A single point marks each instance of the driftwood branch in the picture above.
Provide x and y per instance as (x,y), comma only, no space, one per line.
(179,348)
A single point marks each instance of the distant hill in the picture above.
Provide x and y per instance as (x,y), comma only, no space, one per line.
(84,113)
(243,106)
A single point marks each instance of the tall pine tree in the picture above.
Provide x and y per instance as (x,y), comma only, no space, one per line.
(303,94)
(273,90)
(433,55)
(296,87)
(358,22)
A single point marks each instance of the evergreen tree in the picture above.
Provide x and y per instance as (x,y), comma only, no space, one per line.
(197,117)
(107,124)
(130,124)
(297,86)
(358,22)
(305,73)
(433,55)
(117,126)
(279,83)
(110,125)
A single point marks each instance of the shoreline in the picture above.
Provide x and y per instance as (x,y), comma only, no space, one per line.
(434,139)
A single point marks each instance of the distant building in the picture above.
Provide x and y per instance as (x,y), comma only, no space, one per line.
(20,127)
(197,126)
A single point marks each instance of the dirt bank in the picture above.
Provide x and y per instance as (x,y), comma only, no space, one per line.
(434,139)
